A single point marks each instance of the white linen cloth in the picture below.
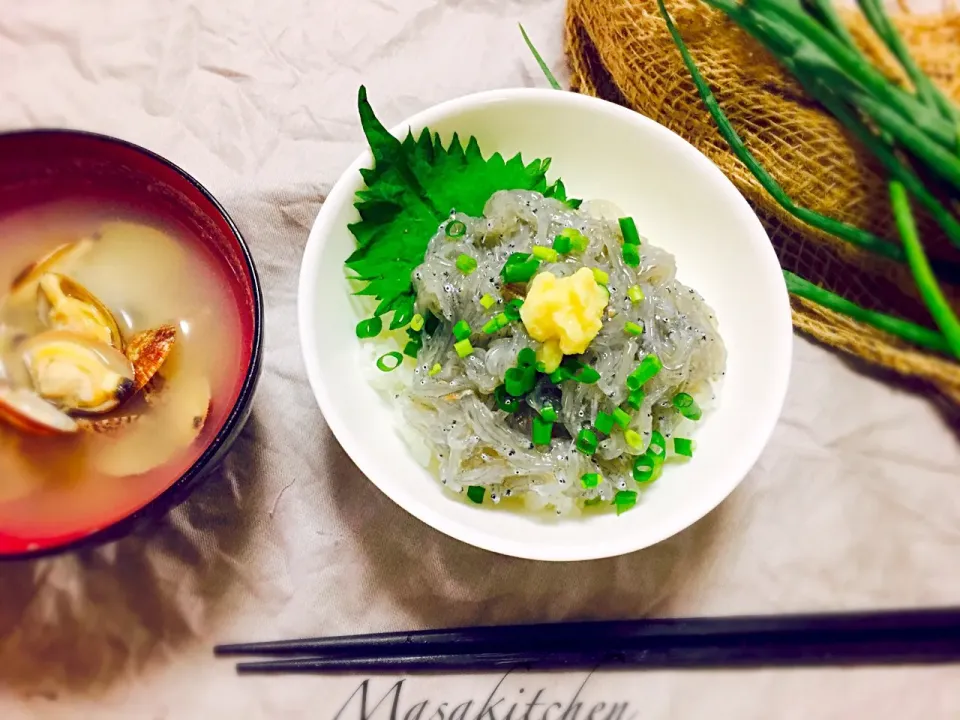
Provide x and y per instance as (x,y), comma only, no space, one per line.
(854,504)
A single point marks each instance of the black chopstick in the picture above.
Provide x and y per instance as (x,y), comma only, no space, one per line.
(939,623)
(663,658)
(904,636)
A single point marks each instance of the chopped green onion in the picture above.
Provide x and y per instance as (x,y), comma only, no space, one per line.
(463,348)
(629,229)
(603,422)
(466,264)
(548,412)
(578,241)
(658,446)
(476,493)
(542,430)
(520,380)
(624,500)
(512,310)
(600,276)
(560,375)
(412,348)
(417,322)
(456,229)
(633,328)
(369,328)
(635,398)
(504,401)
(435,370)
(520,267)
(527,356)
(621,418)
(635,294)
(544,253)
(644,467)
(646,370)
(633,439)
(502,320)
(683,446)
(590,480)
(488,301)
(491,326)
(587,375)
(631,256)
(687,406)
(389,361)
(461,331)
(587,441)
(562,244)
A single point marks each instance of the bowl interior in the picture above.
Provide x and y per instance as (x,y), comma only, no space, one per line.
(681,202)
(42,168)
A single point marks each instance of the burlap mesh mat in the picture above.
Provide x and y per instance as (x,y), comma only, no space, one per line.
(620,50)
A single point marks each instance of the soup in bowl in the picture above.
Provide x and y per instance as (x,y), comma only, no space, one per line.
(130,336)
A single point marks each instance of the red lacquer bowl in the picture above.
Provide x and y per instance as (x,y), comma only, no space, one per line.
(43,166)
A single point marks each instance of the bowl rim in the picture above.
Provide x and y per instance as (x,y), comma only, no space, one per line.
(342,192)
(177,490)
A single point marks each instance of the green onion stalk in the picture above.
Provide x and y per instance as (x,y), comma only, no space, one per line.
(810,40)
(914,134)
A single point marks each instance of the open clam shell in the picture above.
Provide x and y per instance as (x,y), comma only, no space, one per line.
(148,351)
(77,374)
(64,304)
(28,412)
(61,259)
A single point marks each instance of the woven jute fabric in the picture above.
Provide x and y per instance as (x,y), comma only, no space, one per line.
(621,50)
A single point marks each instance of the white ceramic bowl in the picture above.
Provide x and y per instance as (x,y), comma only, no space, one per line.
(682,202)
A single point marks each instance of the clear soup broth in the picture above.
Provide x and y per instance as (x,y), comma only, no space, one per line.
(147,276)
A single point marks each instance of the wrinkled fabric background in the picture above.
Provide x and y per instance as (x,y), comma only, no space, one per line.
(855,503)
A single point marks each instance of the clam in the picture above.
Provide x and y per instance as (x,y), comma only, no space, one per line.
(77,374)
(27,411)
(65,304)
(61,258)
(148,351)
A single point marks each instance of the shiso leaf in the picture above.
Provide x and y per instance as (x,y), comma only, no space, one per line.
(412,188)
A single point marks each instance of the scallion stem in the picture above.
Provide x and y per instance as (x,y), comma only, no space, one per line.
(904,329)
(885,30)
(540,61)
(845,231)
(933,296)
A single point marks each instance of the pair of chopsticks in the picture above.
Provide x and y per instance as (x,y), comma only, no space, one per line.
(871,638)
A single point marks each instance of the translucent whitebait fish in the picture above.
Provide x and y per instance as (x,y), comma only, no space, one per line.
(450,404)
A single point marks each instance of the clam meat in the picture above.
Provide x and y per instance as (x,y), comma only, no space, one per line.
(61,258)
(77,374)
(64,304)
